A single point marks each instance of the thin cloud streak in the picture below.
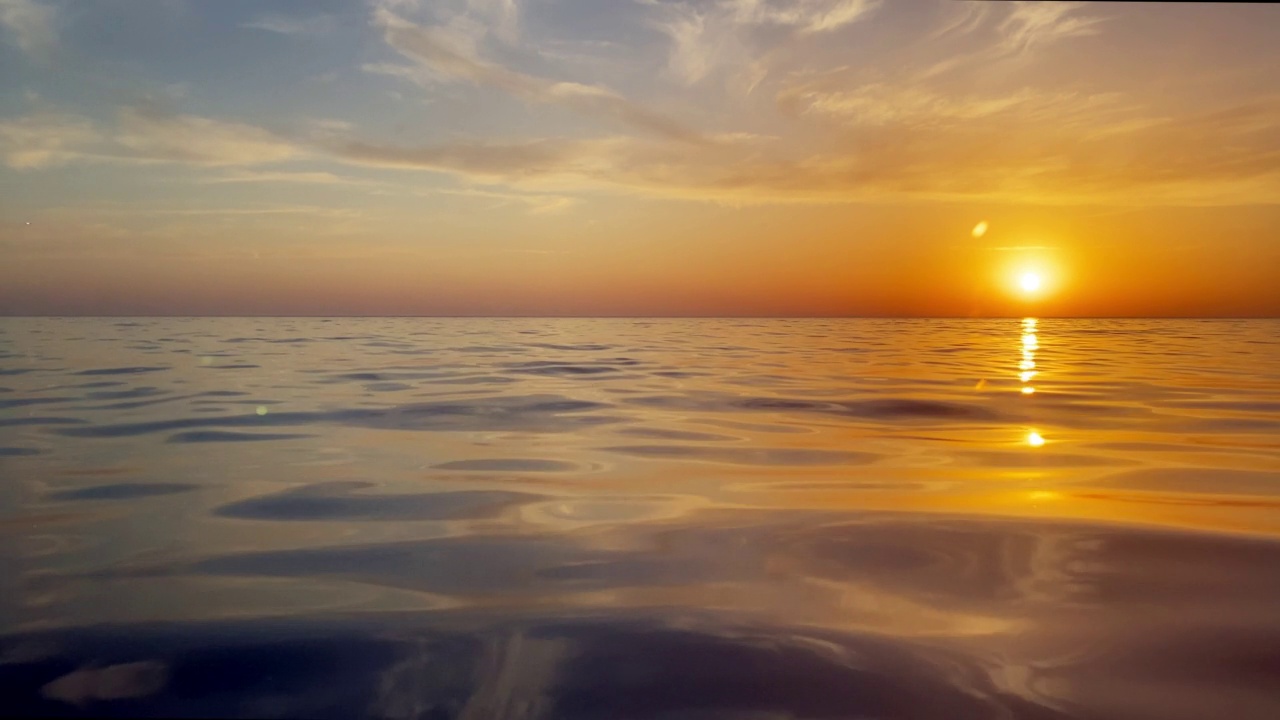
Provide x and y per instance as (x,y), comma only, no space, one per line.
(453,56)
(705,39)
(284,25)
(1032,24)
(140,135)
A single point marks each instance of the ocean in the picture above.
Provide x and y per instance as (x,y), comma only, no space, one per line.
(640,518)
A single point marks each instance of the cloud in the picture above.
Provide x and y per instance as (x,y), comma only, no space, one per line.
(305,178)
(537,204)
(284,25)
(881,103)
(723,35)
(307,210)
(859,134)
(1032,24)
(188,138)
(506,161)
(1026,28)
(114,682)
(501,15)
(808,16)
(444,52)
(30,25)
(965,18)
(44,139)
(1095,151)
(692,56)
(141,134)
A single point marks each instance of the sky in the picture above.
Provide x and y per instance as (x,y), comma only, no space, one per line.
(639,158)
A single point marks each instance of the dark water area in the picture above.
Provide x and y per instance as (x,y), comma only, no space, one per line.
(676,519)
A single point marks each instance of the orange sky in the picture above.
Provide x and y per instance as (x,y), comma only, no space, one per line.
(726,157)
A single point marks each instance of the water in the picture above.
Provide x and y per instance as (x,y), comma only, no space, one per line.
(520,518)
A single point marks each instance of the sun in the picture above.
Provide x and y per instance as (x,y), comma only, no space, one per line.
(1030,277)
(1030,282)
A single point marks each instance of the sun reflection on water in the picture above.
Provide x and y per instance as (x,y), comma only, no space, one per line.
(1030,343)
(1027,371)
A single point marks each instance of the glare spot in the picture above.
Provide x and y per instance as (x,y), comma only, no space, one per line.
(980,229)
(1034,439)
(1042,495)
(1028,390)
(1026,376)
(262,410)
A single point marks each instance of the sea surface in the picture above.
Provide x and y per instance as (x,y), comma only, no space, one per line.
(630,518)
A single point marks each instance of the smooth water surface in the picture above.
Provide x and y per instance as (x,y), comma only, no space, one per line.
(524,518)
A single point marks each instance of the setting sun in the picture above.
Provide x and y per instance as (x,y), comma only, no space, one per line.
(1029,282)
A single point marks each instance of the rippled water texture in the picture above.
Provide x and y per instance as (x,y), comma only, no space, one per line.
(420,518)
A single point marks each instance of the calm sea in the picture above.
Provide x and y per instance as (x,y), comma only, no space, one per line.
(525,518)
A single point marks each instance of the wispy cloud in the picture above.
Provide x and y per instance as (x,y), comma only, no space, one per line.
(160,136)
(536,203)
(1039,148)
(850,134)
(45,139)
(808,16)
(1032,24)
(994,154)
(883,103)
(1023,29)
(503,16)
(506,161)
(304,178)
(443,52)
(308,210)
(964,17)
(286,25)
(140,134)
(692,52)
(706,38)
(30,25)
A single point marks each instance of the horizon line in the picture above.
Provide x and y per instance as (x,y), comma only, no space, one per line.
(653,317)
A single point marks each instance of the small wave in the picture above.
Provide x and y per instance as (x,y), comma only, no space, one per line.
(208,436)
(41,420)
(748,455)
(122,491)
(123,370)
(342,501)
(663,434)
(508,465)
(562,369)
